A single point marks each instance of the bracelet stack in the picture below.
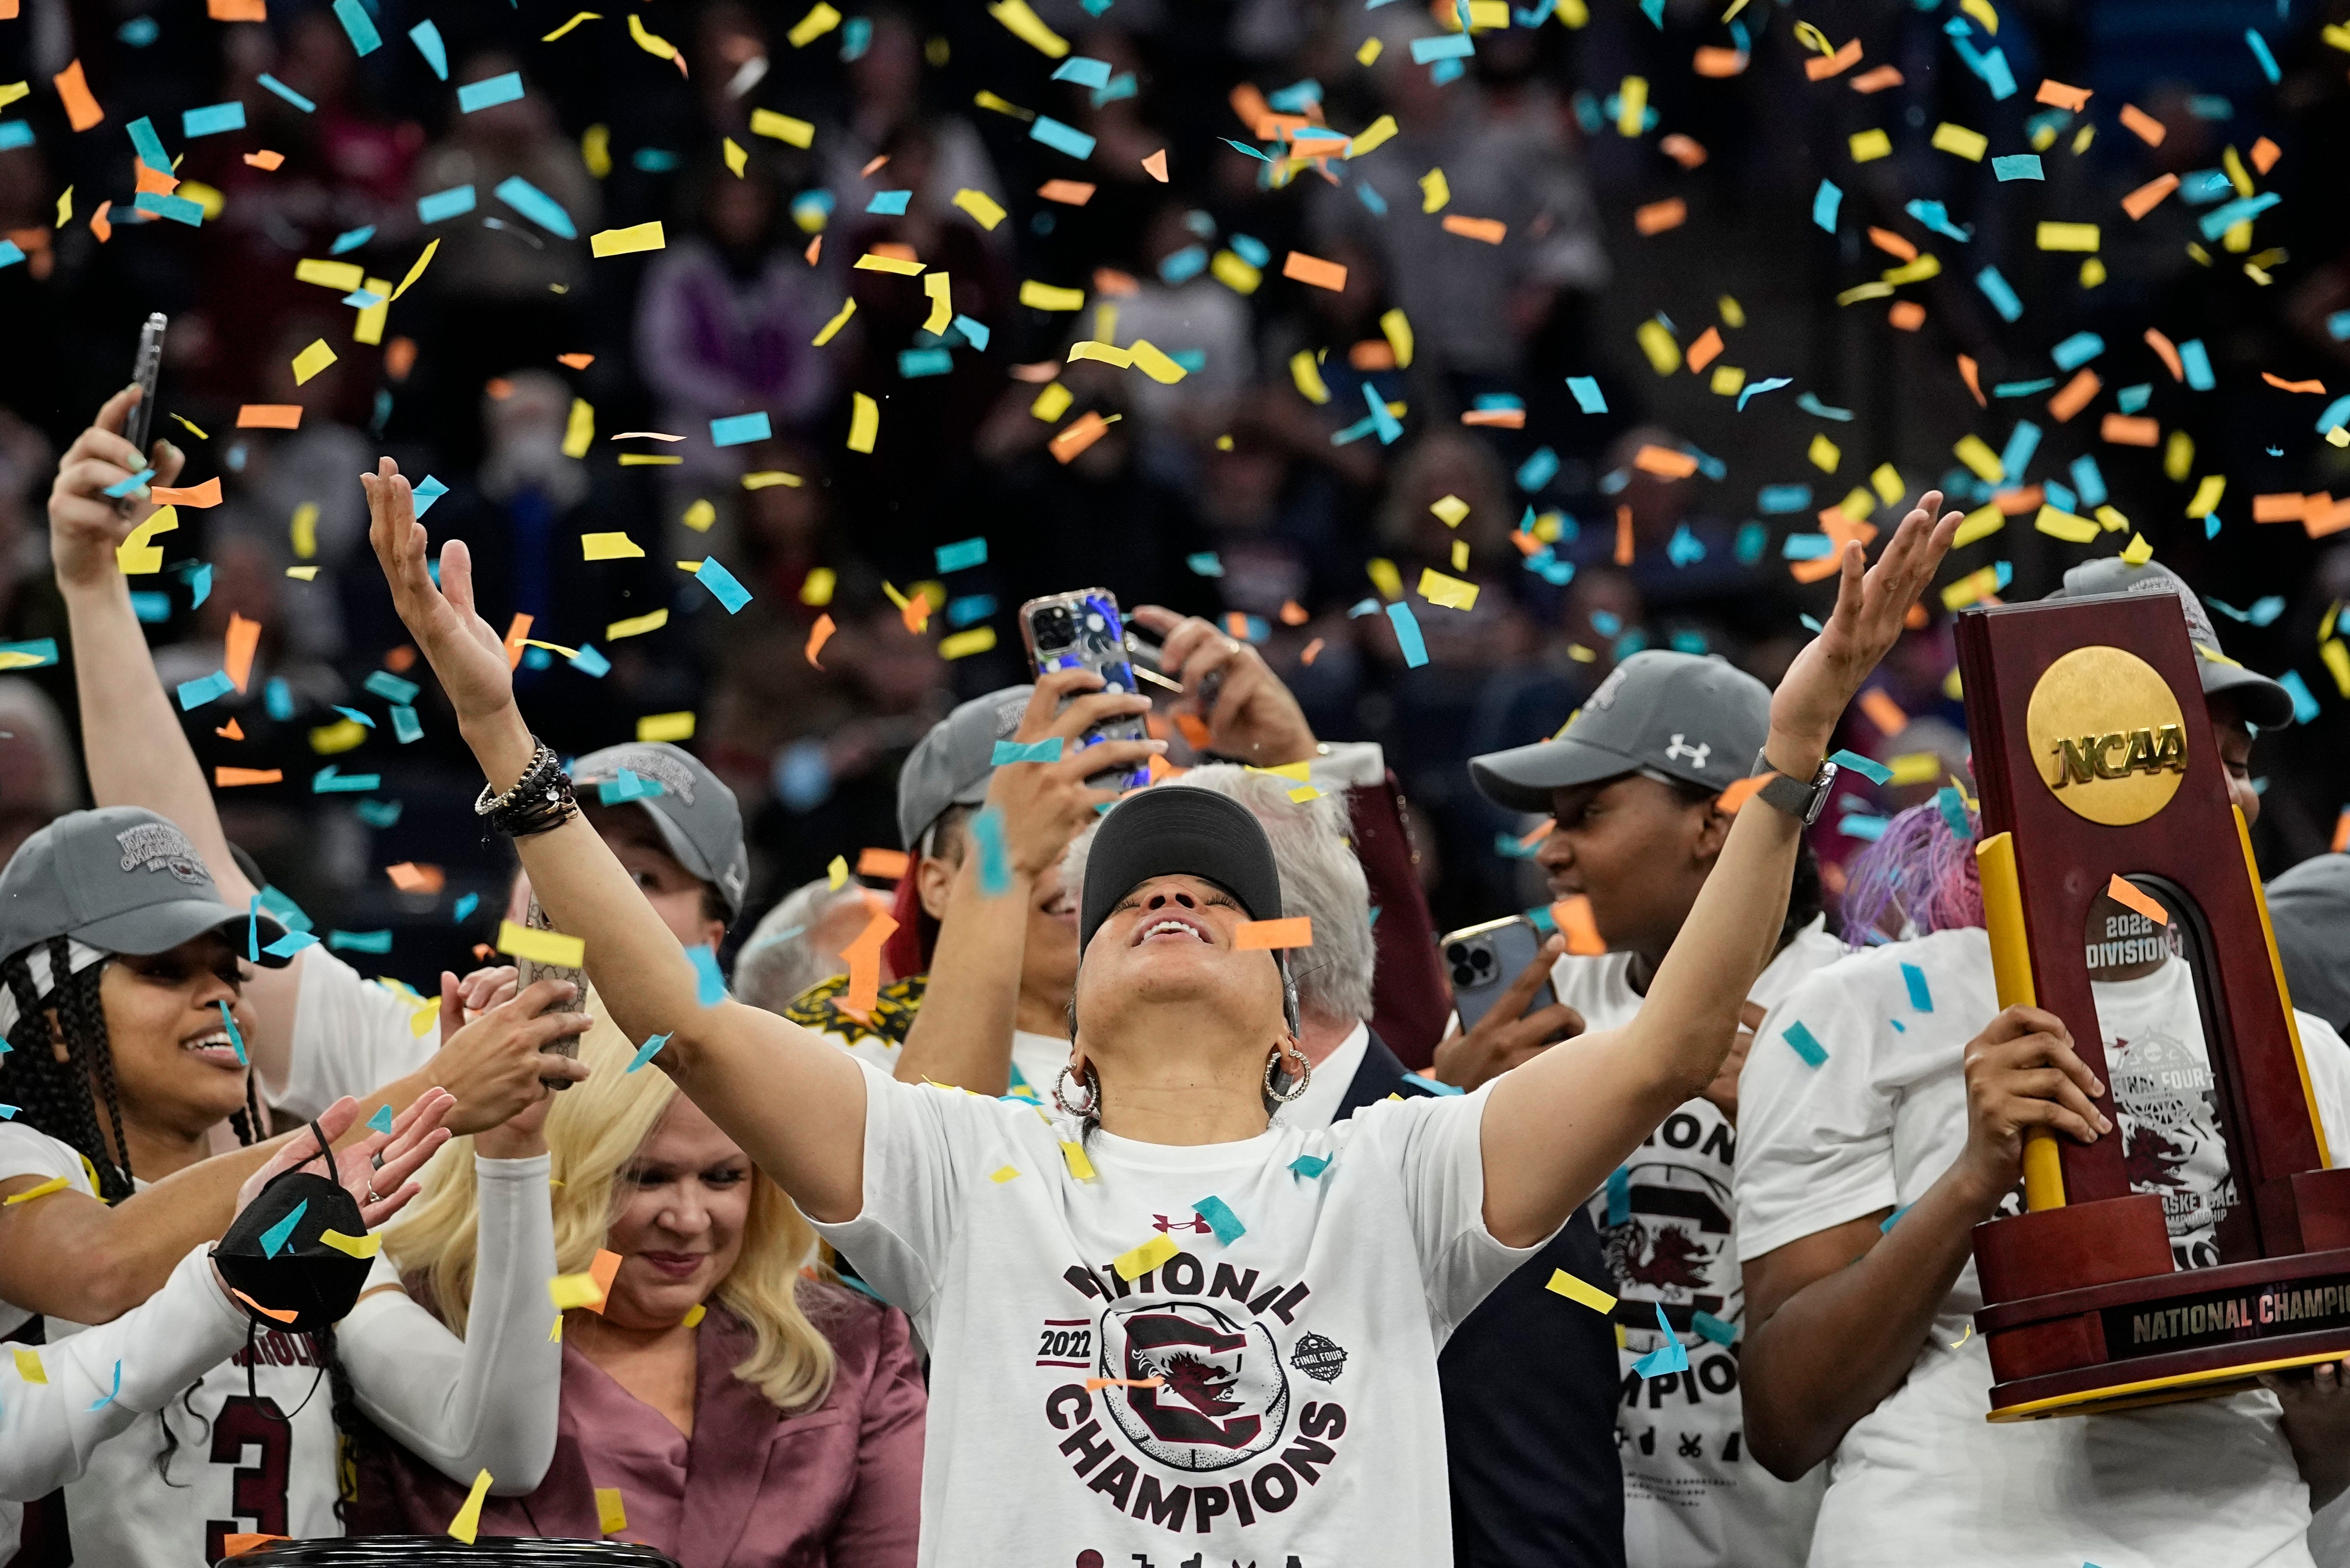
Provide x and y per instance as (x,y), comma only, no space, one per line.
(540,801)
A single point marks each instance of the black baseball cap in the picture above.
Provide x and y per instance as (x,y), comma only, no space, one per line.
(1177,833)
(1689,716)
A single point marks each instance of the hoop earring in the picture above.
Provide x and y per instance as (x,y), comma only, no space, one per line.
(1091,1108)
(1303,1076)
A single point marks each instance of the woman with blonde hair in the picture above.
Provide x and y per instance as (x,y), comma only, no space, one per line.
(721,1406)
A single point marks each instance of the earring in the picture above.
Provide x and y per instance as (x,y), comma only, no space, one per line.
(1298,1080)
(1092,1106)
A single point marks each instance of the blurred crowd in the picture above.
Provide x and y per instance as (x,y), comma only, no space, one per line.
(1252,490)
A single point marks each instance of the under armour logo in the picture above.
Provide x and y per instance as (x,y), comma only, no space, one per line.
(1197,1226)
(1679,748)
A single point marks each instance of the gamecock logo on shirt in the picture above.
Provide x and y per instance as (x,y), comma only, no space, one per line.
(1223,1396)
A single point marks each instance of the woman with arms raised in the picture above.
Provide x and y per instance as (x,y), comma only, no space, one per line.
(1165,1321)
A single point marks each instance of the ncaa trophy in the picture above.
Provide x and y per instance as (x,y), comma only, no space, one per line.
(2091,767)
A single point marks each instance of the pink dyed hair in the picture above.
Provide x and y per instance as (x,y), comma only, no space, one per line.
(1918,878)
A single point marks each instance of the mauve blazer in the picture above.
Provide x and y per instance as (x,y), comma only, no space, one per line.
(838,1486)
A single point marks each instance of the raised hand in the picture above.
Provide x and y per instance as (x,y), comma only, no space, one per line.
(465,653)
(85,524)
(380,1191)
(1046,804)
(1250,714)
(1871,605)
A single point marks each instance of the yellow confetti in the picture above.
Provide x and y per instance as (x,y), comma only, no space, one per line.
(2139,552)
(937,286)
(1372,136)
(10,91)
(1886,480)
(137,554)
(628,241)
(771,476)
(1368,54)
(2112,518)
(1824,454)
(2206,496)
(1137,1262)
(832,327)
(700,516)
(340,276)
(695,1314)
(596,151)
(837,873)
(1307,376)
(1982,12)
(1073,1154)
(1977,454)
(1044,297)
(2068,237)
(2058,523)
(1633,106)
(1970,145)
(870,261)
(1086,348)
(368,1245)
(1972,588)
(1867,145)
(550,948)
(864,424)
(1727,379)
(635,625)
(468,1522)
(65,201)
(1664,351)
(579,430)
(819,21)
(1435,191)
(2177,456)
(1451,593)
(737,159)
(369,326)
(984,208)
(653,43)
(1029,27)
(782,126)
(611,1518)
(1581,1291)
(817,588)
(29,1368)
(1004,1175)
(312,360)
(1154,362)
(609,547)
(577,18)
(665,727)
(1050,404)
(416,271)
(1384,576)
(1235,273)
(1979,524)
(54,1184)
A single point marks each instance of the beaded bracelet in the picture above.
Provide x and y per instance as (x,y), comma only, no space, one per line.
(540,801)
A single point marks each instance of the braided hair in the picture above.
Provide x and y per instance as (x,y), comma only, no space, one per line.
(57,1098)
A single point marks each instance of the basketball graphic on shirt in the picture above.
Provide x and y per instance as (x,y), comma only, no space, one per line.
(1672,1248)
(2171,1143)
(1223,1398)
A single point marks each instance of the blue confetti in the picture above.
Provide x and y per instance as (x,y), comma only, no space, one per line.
(915,363)
(970,608)
(427,40)
(390,687)
(430,490)
(1756,388)
(1252,250)
(2259,47)
(1371,199)
(1810,403)
(2002,295)
(1825,202)
(109,1398)
(994,857)
(1444,47)
(645,1052)
(464,907)
(149,146)
(1806,547)
(1774,500)
(2219,219)
(1868,767)
(1221,1219)
(2305,706)
(2023,389)
(2018,166)
(1047,750)
(196,693)
(1383,419)
(212,119)
(1540,469)
(13,133)
(359,942)
(1432,1087)
(1684,549)
(710,986)
(1406,632)
(2078,351)
(40,651)
(1309,1166)
(1713,1327)
(889,204)
(381,1121)
(722,583)
(962,555)
(328,781)
(273,1240)
(439,205)
(2195,362)
(139,32)
(289,944)
(1062,138)
(536,205)
(588,661)
(351,240)
(2021,443)
(1937,217)
(2089,481)
(1954,807)
(179,209)
(624,786)
(1920,998)
(1670,1356)
(1806,1044)
(974,332)
(1088,72)
(1863,825)
(474,96)
(2130,400)
(287,93)
(359,25)
(1893,1219)
(1587,395)
(235,1036)
(738,430)
(1620,1195)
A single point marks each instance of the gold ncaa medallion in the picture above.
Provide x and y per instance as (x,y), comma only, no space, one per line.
(2107,734)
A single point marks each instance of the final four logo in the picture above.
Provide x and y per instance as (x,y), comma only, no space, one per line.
(1221,1397)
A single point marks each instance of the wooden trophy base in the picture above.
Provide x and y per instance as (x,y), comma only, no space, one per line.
(2124,1328)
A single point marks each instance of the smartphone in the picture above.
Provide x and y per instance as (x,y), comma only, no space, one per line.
(146,370)
(1483,960)
(527,970)
(1143,648)
(1083,629)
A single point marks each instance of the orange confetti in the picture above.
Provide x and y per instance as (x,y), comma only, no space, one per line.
(575,361)
(2342,831)
(1877,81)
(2128,897)
(1664,461)
(817,637)
(411,877)
(195,496)
(1623,535)
(2149,129)
(887,864)
(1740,793)
(1716,63)
(2016,503)
(1820,67)
(1493,230)
(1884,712)
(1313,270)
(871,164)
(606,1267)
(400,357)
(97,223)
(1573,917)
(1967,373)
(1268,936)
(1235,624)
(1313,651)
(1656,217)
(157,181)
(1706,350)
(916,615)
(1078,434)
(2279,382)
(1372,353)
(815,249)
(82,109)
(1906,314)
(864,956)
(2265,154)
(1893,244)
(229,778)
(2321,515)
(399,658)
(1292,612)
(269,416)
(1155,166)
(1841,530)
(2052,91)
(231,730)
(1068,192)
(516,631)
(266,159)
(2287,508)
(244,637)
(2149,196)
(2076,395)
(237,10)
(2121,430)
(1682,150)
(1095,1384)
(2162,346)
(1117,285)
(1496,418)
(238,1546)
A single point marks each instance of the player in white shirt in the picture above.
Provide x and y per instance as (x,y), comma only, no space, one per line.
(120,1011)
(1862,1173)
(1632,788)
(1272,1395)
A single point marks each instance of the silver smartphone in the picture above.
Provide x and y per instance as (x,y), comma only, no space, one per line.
(528,970)
(146,372)
(1483,960)
(1083,629)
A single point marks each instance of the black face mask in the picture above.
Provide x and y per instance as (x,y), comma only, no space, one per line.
(273,1254)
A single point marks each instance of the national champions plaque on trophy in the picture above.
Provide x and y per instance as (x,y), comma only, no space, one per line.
(2095,759)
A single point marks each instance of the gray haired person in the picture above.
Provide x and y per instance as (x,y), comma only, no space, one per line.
(798,943)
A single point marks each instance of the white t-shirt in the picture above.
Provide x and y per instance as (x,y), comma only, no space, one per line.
(1693,1498)
(350,1037)
(2208,1482)
(1331,1077)
(1300,1420)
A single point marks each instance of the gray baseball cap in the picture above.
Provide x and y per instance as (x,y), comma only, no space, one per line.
(121,880)
(695,813)
(951,765)
(2264,701)
(1692,717)
(2309,908)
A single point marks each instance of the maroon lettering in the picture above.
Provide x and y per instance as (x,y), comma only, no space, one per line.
(1068,1396)
(1274,1487)
(1323,1421)
(1181,1276)
(1081,1445)
(1304,1454)
(1160,1508)
(1236,1286)
(1116,1479)
(1241,1503)
(1082,1281)
(1206,1503)
(1287,1304)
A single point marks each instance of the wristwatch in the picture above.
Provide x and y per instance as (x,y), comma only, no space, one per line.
(1801,801)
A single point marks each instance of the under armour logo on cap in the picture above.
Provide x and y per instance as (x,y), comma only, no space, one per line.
(1681,748)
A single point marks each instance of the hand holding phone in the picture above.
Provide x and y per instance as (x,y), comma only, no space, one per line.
(1082,629)
(528,970)
(1501,988)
